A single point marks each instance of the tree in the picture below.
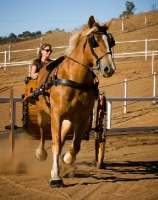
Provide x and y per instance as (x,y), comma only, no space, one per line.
(57,29)
(50,31)
(33,34)
(130,8)
(26,33)
(153,7)
(12,35)
(20,35)
(38,33)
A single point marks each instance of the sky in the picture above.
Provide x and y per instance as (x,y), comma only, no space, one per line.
(18,16)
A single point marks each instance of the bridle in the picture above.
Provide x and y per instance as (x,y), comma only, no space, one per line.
(93,44)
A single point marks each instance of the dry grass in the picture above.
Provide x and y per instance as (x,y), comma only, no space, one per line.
(134,30)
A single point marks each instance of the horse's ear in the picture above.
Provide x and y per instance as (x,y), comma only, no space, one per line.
(91,21)
(107,25)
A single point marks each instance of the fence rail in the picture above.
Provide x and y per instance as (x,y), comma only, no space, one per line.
(152,88)
(144,53)
(109,101)
(109,111)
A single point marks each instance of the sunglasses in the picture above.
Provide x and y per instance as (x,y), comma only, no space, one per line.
(47,50)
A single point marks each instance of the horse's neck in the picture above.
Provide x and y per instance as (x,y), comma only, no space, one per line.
(80,54)
(74,67)
(77,71)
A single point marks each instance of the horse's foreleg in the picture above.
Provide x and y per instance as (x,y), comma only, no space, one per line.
(40,152)
(70,156)
(56,180)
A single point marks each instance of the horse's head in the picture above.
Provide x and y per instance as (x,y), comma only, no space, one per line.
(100,44)
(96,43)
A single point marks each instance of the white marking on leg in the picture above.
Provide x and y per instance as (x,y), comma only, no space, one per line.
(55,168)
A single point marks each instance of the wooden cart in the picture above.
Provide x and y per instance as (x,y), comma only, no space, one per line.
(97,122)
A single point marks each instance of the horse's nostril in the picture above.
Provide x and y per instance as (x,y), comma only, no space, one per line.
(106,69)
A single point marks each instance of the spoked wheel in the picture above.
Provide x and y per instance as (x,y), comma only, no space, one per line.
(99,150)
(100,130)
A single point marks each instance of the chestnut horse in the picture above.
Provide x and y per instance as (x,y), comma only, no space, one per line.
(68,93)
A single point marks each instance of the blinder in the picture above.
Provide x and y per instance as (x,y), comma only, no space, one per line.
(92,42)
(112,41)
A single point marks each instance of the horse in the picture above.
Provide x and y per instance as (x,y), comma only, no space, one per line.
(66,92)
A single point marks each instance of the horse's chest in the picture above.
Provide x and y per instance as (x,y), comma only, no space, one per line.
(69,101)
(81,103)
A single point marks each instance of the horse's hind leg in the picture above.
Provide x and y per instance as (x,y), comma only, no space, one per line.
(40,152)
(70,156)
(67,127)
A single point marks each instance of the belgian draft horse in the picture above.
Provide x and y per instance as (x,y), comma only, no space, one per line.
(71,92)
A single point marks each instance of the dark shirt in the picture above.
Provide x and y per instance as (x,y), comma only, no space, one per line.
(39,64)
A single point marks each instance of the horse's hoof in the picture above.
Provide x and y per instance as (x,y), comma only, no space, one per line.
(41,156)
(68,159)
(56,183)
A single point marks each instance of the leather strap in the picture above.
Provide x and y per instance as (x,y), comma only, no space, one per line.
(70,83)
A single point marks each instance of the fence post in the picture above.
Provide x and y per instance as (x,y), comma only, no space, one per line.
(125,95)
(5,59)
(145,19)
(109,114)
(40,41)
(11,115)
(9,53)
(146,48)
(154,86)
(113,50)
(152,62)
(122,24)
(38,51)
(14,113)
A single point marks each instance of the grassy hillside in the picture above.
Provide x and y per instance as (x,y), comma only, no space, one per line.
(134,29)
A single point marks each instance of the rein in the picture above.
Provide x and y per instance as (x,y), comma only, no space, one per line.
(91,68)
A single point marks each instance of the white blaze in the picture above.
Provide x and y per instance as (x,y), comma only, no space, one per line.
(104,37)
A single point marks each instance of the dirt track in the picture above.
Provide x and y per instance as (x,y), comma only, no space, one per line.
(131,159)
(131,170)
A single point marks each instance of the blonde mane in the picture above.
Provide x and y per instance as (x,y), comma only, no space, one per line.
(76,36)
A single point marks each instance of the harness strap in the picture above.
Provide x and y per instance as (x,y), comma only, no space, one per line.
(79,63)
(72,84)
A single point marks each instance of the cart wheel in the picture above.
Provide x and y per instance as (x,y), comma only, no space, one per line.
(99,150)
(100,134)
